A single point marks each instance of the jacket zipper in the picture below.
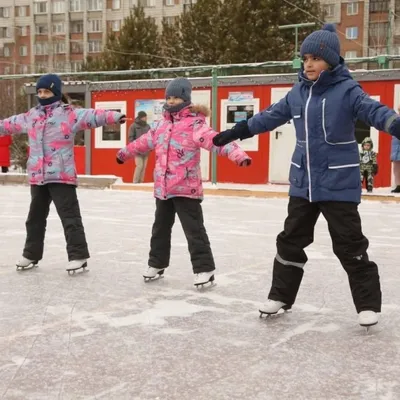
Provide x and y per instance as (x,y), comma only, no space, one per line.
(307,142)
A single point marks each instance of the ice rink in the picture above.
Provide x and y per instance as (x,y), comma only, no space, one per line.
(108,335)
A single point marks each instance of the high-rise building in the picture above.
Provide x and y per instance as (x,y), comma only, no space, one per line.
(58,35)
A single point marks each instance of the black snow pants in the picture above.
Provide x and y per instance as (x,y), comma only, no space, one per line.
(66,202)
(190,214)
(349,245)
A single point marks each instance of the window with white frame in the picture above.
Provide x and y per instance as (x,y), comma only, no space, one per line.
(350,54)
(7,52)
(116,26)
(111,136)
(41,29)
(21,11)
(60,66)
(5,32)
(5,12)
(379,30)
(94,46)
(76,66)
(7,70)
(329,10)
(58,6)
(58,28)
(77,27)
(95,25)
(59,47)
(41,49)
(147,3)
(76,47)
(23,30)
(169,2)
(95,5)
(116,4)
(169,20)
(76,5)
(23,69)
(352,8)
(23,51)
(352,33)
(40,7)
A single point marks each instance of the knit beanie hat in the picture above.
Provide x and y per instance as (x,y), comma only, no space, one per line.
(53,83)
(181,88)
(324,44)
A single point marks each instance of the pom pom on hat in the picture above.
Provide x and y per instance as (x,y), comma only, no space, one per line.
(329,28)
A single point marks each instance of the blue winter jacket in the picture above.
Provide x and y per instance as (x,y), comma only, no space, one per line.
(325,164)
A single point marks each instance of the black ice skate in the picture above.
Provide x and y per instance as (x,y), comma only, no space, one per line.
(272,307)
(203,278)
(25,264)
(76,265)
(152,274)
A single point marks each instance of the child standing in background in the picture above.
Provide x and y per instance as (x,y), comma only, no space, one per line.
(368,163)
(178,189)
(51,127)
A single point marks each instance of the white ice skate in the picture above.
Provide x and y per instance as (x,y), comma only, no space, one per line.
(367,318)
(76,265)
(203,277)
(152,273)
(272,307)
(25,264)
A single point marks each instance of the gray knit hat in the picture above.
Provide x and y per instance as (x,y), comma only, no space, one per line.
(179,87)
(324,44)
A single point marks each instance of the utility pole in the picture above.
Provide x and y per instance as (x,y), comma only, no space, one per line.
(296,56)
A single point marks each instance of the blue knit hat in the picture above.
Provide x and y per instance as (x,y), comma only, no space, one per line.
(181,88)
(53,83)
(324,44)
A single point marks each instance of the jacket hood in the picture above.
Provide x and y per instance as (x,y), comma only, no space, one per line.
(367,140)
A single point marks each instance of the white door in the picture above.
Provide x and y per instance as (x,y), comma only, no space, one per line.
(281,144)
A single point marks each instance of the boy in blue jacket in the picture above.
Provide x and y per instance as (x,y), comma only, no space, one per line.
(325,171)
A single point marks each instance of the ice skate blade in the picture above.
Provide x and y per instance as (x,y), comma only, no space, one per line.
(202,284)
(82,269)
(270,315)
(207,285)
(368,326)
(154,278)
(27,268)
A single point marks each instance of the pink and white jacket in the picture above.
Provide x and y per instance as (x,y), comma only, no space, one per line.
(51,130)
(177,140)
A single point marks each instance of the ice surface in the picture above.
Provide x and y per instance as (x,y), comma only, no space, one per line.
(108,335)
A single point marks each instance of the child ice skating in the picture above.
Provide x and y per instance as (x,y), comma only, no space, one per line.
(325,172)
(51,127)
(368,163)
(177,140)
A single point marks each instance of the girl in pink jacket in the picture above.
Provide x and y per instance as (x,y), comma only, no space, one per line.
(51,127)
(178,189)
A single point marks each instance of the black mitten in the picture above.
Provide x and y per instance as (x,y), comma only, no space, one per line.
(119,161)
(239,131)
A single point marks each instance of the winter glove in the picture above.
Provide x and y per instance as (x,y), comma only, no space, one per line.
(119,161)
(120,157)
(375,169)
(239,131)
(246,162)
(122,119)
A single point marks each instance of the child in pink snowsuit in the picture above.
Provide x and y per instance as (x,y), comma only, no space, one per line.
(51,128)
(178,189)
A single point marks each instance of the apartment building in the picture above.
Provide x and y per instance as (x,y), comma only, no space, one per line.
(57,35)
(366,27)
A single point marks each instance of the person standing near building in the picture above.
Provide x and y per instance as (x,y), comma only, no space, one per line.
(137,129)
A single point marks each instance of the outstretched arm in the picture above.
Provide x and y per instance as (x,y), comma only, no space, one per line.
(88,118)
(203,135)
(15,124)
(142,145)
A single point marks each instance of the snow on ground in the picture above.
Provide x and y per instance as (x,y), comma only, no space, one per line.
(108,335)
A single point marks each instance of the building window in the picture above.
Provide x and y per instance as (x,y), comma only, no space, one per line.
(95,5)
(147,3)
(116,26)
(352,33)
(377,6)
(95,25)
(94,46)
(169,20)
(23,30)
(40,7)
(379,30)
(7,70)
(41,49)
(7,52)
(76,66)
(329,10)
(116,4)
(59,27)
(23,51)
(21,11)
(23,69)
(77,27)
(350,54)
(59,47)
(41,29)
(5,32)
(169,2)
(58,7)
(5,12)
(76,5)
(352,8)
(76,47)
